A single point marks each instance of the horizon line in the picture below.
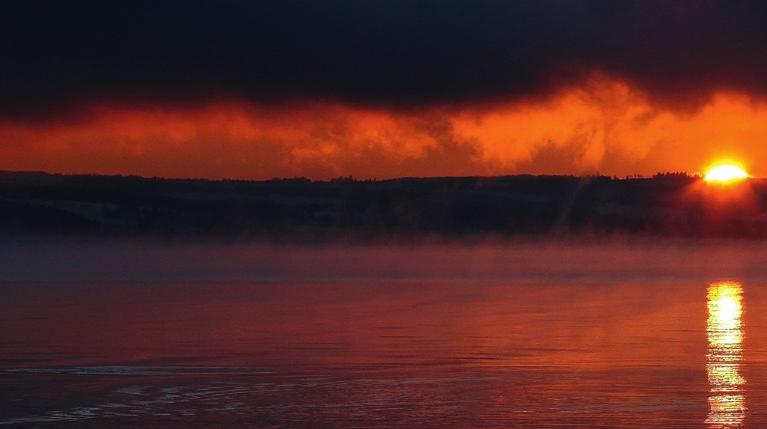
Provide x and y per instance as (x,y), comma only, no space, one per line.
(340,178)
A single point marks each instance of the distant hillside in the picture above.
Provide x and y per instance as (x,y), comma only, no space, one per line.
(40,204)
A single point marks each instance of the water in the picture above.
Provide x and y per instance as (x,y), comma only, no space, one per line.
(442,336)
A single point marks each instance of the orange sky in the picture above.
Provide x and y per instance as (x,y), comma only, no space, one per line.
(603,126)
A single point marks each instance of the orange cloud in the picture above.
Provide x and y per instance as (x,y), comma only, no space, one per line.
(603,126)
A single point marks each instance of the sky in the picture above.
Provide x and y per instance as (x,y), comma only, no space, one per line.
(380,89)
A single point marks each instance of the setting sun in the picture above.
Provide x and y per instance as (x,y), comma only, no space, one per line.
(725,173)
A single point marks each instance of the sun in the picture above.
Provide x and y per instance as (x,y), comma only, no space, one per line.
(726,172)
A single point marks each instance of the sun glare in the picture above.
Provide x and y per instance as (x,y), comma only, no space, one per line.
(725,173)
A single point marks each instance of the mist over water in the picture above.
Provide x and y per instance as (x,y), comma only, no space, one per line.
(621,333)
(603,260)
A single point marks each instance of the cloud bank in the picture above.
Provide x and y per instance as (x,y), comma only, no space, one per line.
(380,88)
(605,127)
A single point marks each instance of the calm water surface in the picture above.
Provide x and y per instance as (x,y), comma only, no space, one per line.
(495,336)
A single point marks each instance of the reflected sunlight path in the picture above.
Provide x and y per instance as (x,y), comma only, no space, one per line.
(724,327)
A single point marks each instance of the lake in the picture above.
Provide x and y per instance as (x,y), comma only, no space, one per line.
(618,333)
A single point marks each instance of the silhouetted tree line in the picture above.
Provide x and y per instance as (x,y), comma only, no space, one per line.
(672,203)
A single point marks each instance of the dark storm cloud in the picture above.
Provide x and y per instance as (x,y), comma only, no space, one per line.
(392,52)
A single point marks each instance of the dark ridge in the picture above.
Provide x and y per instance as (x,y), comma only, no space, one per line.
(34,204)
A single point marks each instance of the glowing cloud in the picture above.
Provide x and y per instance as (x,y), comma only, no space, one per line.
(604,126)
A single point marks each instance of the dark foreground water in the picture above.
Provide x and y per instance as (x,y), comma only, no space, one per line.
(430,336)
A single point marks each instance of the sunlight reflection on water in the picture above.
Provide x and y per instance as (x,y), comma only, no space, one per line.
(724,327)
(388,337)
